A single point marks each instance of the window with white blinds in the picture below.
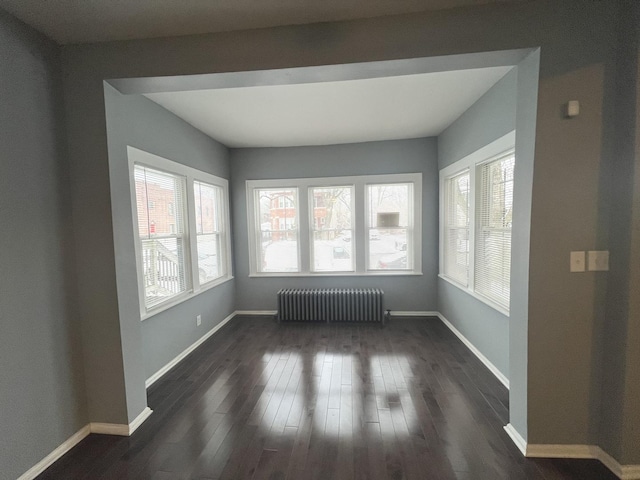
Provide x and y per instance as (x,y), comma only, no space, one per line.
(456,227)
(160,206)
(180,219)
(476,214)
(493,230)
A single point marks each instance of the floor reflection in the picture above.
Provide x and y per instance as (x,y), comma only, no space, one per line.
(334,388)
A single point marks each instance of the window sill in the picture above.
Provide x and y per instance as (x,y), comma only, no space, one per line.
(391,273)
(184,297)
(480,298)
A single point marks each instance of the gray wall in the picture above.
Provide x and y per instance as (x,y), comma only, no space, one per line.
(136,121)
(620,414)
(41,376)
(554,385)
(491,117)
(414,293)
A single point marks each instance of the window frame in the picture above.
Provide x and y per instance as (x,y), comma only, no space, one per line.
(482,269)
(189,176)
(446,228)
(219,232)
(359,222)
(181,237)
(473,163)
(313,229)
(411,225)
(257,229)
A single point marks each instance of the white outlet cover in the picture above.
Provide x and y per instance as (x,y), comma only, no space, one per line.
(577,263)
(598,260)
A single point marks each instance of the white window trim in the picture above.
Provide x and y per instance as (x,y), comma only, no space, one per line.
(140,157)
(312,229)
(471,162)
(360,227)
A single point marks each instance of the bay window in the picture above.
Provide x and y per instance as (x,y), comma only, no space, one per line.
(362,225)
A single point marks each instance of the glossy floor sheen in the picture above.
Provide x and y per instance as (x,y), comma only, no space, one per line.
(266,401)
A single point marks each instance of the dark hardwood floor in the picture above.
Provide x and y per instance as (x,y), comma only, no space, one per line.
(260,400)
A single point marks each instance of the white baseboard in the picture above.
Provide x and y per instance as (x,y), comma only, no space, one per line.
(624,472)
(498,374)
(156,376)
(629,472)
(56,454)
(73,440)
(398,313)
(122,430)
(119,429)
(139,420)
(559,451)
(256,312)
(520,442)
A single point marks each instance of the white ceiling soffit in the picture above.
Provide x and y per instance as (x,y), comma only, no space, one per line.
(83,21)
(327,113)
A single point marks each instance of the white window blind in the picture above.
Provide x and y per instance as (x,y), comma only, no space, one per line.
(160,200)
(209,231)
(493,230)
(456,227)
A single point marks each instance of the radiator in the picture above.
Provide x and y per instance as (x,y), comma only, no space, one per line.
(331,305)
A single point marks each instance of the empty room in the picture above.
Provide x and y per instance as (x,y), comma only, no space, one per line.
(396,240)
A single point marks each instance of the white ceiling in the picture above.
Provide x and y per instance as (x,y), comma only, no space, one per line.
(82,21)
(389,108)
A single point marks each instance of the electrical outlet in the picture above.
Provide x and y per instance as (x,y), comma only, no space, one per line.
(576,263)
(599,260)
(198,320)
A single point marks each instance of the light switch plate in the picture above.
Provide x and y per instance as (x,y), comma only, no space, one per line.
(573,108)
(576,263)
(598,260)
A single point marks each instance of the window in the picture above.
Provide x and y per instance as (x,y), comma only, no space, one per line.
(493,230)
(209,232)
(389,207)
(365,225)
(475,223)
(456,227)
(277,237)
(180,250)
(332,221)
(164,262)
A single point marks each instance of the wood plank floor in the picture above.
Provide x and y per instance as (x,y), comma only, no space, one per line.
(266,401)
